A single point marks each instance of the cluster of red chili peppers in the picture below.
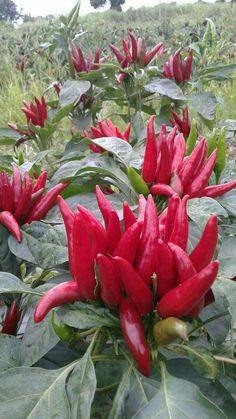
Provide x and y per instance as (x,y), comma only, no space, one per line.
(106,129)
(168,171)
(182,123)
(85,64)
(36,114)
(136,265)
(177,69)
(134,52)
(23,202)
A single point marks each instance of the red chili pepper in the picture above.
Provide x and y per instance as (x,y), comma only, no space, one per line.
(188,65)
(162,189)
(95,229)
(142,202)
(185,123)
(83,258)
(179,151)
(150,155)
(11,319)
(125,45)
(64,293)
(173,205)
(176,184)
(179,234)
(7,195)
(200,181)
(146,254)
(171,141)
(126,133)
(16,184)
(189,165)
(127,246)
(151,54)
(105,206)
(178,74)
(24,203)
(209,298)
(40,182)
(113,232)
(141,51)
(165,269)
(134,47)
(183,263)
(9,221)
(117,53)
(196,310)
(164,169)
(205,249)
(128,215)
(41,208)
(68,218)
(181,300)
(132,328)
(135,287)
(110,282)
(218,190)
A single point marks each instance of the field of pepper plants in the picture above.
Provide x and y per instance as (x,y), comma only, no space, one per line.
(118,219)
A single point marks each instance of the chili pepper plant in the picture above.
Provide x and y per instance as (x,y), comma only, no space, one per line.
(117,246)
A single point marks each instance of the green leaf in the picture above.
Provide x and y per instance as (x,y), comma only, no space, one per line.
(11,351)
(85,316)
(202,361)
(200,210)
(179,399)
(205,104)
(71,91)
(226,287)
(120,148)
(165,87)
(11,284)
(61,113)
(226,257)
(118,406)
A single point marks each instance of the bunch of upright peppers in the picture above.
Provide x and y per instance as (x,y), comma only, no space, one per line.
(177,69)
(106,129)
(182,123)
(167,171)
(36,114)
(136,265)
(134,52)
(22,202)
(85,64)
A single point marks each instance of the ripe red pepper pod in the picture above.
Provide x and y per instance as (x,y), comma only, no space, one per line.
(142,202)
(146,259)
(40,182)
(196,310)
(134,46)
(128,244)
(179,151)
(164,168)
(162,189)
(173,205)
(95,229)
(165,269)
(185,268)
(105,206)
(16,184)
(204,251)
(176,184)
(189,165)
(201,179)
(41,208)
(150,156)
(68,218)
(125,46)
(185,123)
(83,258)
(109,280)
(11,319)
(158,49)
(120,57)
(188,61)
(113,232)
(128,216)
(6,191)
(179,234)
(9,221)
(171,140)
(135,287)
(179,301)
(177,68)
(132,328)
(64,293)
(24,203)
(218,190)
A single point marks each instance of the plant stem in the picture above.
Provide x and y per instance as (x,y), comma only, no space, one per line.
(225,359)
(106,358)
(81,335)
(218,316)
(107,388)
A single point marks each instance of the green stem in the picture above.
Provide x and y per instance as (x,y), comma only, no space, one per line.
(218,316)
(107,388)
(100,342)
(107,358)
(81,335)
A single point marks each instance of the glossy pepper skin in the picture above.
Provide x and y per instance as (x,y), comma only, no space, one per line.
(179,301)
(23,201)
(134,335)
(177,69)
(167,330)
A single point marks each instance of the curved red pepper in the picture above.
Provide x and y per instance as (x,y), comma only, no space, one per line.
(110,282)
(128,215)
(24,204)
(134,335)
(162,189)
(179,234)
(165,269)
(127,246)
(181,300)
(135,287)
(189,165)
(218,190)
(201,179)
(68,218)
(205,249)
(64,293)
(104,205)
(16,184)
(164,168)
(113,232)
(9,221)
(183,263)
(11,319)
(177,68)
(150,156)
(95,229)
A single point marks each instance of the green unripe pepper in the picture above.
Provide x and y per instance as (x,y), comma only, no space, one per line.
(212,142)
(62,330)
(167,330)
(192,138)
(221,156)
(137,182)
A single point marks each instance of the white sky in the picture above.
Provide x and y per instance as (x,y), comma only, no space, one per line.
(46,7)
